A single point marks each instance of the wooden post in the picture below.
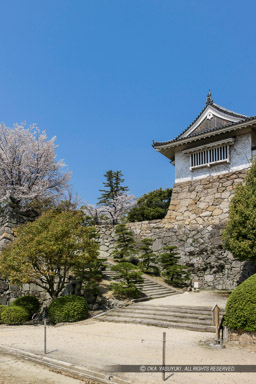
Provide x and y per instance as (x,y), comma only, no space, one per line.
(164,350)
(216,320)
(44,335)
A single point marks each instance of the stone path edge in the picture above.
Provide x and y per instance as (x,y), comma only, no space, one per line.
(64,368)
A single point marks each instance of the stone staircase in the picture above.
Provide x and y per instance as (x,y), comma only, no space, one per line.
(182,317)
(150,288)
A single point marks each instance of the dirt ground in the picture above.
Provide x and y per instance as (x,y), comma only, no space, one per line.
(96,344)
(202,298)
(14,370)
(92,344)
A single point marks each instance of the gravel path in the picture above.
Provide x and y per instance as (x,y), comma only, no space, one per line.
(202,298)
(95,344)
(14,370)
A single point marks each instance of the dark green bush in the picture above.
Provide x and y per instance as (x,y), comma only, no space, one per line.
(241,306)
(2,307)
(123,290)
(175,274)
(14,315)
(30,303)
(68,308)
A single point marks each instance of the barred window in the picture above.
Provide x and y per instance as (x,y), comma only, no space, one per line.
(210,156)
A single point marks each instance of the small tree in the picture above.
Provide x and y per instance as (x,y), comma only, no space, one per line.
(173,273)
(240,233)
(88,274)
(128,276)
(151,206)
(147,257)
(125,244)
(48,250)
(112,186)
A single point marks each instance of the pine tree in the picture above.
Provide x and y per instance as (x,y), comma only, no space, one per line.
(128,276)
(112,186)
(125,247)
(147,257)
(173,273)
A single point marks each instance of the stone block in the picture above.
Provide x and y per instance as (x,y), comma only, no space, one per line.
(217,212)
(206,214)
(3,300)
(245,339)
(209,278)
(103,248)
(3,286)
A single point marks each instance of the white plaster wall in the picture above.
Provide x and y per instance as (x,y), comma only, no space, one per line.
(240,155)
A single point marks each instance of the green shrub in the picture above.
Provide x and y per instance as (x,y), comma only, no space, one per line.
(2,307)
(68,308)
(14,315)
(127,274)
(174,274)
(241,306)
(30,303)
(123,290)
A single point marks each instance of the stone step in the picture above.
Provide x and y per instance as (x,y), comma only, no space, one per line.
(163,289)
(156,312)
(194,318)
(176,309)
(150,288)
(155,296)
(164,317)
(157,323)
(156,289)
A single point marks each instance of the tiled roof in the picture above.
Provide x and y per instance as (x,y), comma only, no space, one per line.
(178,138)
(209,102)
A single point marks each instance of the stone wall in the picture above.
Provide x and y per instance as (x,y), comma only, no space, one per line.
(194,222)
(204,201)
(200,248)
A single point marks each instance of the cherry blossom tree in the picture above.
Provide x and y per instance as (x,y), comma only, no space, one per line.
(113,211)
(93,212)
(119,206)
(28,166)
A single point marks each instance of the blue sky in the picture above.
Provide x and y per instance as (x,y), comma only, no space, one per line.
(109,76)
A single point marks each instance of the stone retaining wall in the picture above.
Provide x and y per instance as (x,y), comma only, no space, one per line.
(204,201)
(200,248)
(197,214)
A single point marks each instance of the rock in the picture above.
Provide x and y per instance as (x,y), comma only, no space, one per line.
(3,300)
(245,339)
(3,286)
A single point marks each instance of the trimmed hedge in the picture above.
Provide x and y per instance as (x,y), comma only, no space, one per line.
(2,307)
(241,306)
(68,308)
(14,315)
(30,303)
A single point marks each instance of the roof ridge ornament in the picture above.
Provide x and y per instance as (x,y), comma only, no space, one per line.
(209,99)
